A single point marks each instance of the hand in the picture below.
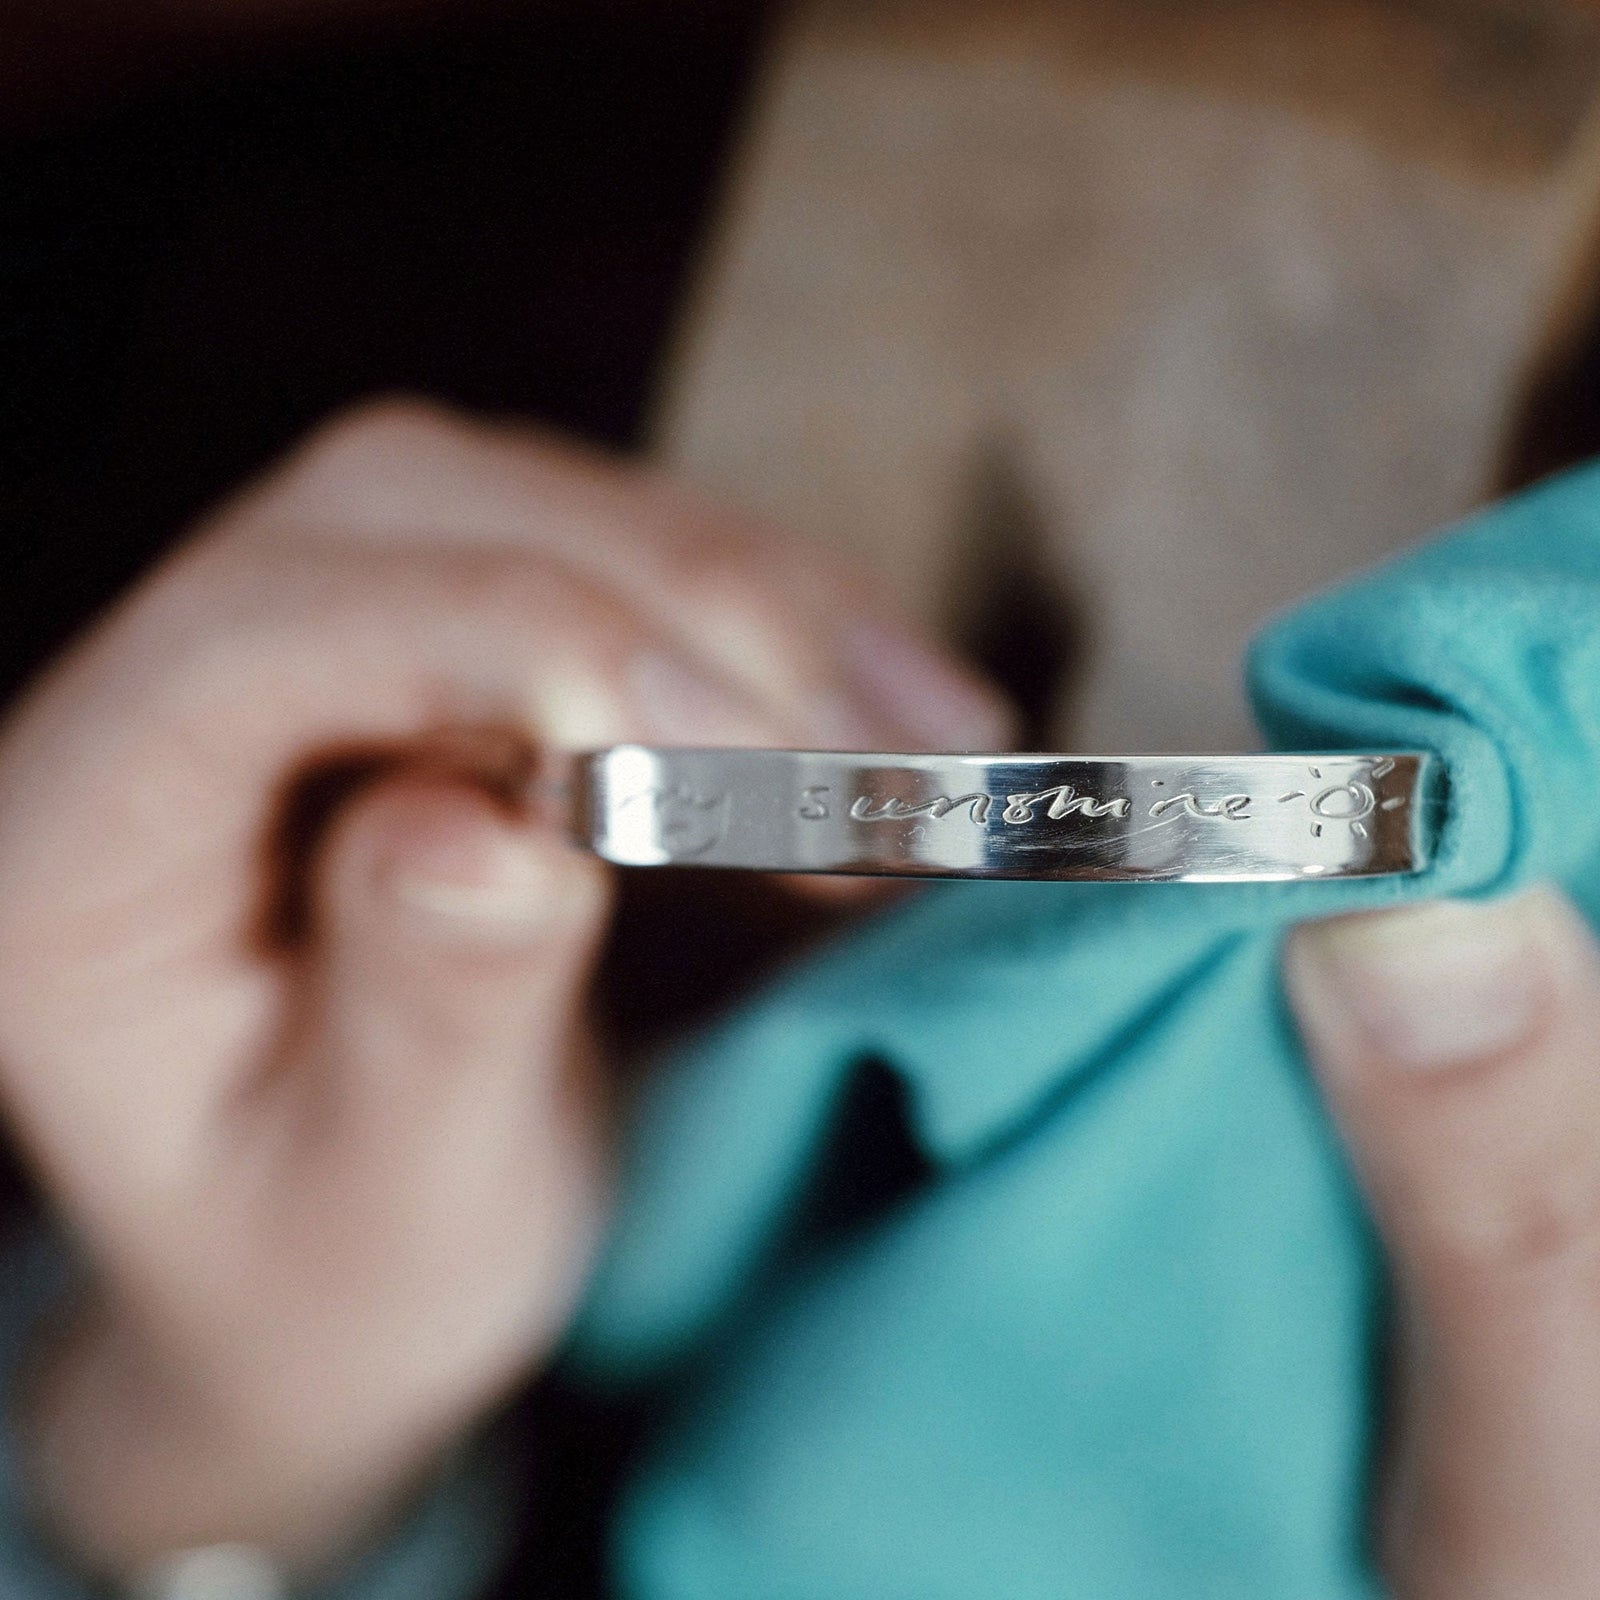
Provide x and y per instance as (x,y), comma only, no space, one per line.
(1459,1048)
(335,1143)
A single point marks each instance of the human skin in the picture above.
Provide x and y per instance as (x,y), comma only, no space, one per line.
(1457,1047)
(338,1176)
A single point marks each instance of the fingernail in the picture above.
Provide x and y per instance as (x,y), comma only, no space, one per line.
(916,690)
(573,710)
(834,724)
(1432,986)
(476,880)
(683,707)
(745,648)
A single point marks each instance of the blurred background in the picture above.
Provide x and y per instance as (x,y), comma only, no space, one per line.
(1100,327)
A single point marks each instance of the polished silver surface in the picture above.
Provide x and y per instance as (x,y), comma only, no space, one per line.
(1158,818)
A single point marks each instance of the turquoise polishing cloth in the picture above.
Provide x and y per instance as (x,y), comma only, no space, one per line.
(1111,1332)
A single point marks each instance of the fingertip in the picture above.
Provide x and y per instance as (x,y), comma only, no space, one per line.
(1429,987)
(680,704)
(1455,1046)
(936,702)
(442,861)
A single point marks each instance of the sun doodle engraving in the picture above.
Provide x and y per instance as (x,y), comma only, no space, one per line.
(1351,802)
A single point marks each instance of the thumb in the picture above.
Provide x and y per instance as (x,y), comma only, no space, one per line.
(405,1225)
(1459,1049)
(448,1100)
(452,938)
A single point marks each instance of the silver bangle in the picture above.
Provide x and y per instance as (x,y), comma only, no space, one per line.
(1218,819)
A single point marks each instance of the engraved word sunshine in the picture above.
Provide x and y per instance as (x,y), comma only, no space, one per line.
(1350,803)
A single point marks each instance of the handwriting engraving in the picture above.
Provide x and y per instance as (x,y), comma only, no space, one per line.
(1350,803)
(865,809)
(1231,807)
(1064,802)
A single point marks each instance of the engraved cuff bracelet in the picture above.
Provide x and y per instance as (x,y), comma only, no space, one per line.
(1218,819)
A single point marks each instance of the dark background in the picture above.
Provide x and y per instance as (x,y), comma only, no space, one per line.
(499,213)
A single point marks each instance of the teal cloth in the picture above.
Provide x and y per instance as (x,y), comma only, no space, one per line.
(1120,1342)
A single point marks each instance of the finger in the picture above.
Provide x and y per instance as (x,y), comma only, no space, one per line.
(256,652)
(791,624)
(168,738)
(1459,1048)
(432,1129)
(451,941)
(445,1064)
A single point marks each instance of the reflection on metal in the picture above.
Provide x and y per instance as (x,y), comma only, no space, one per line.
(1156,818)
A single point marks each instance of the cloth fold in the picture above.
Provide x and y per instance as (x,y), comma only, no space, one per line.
(1121,1341)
